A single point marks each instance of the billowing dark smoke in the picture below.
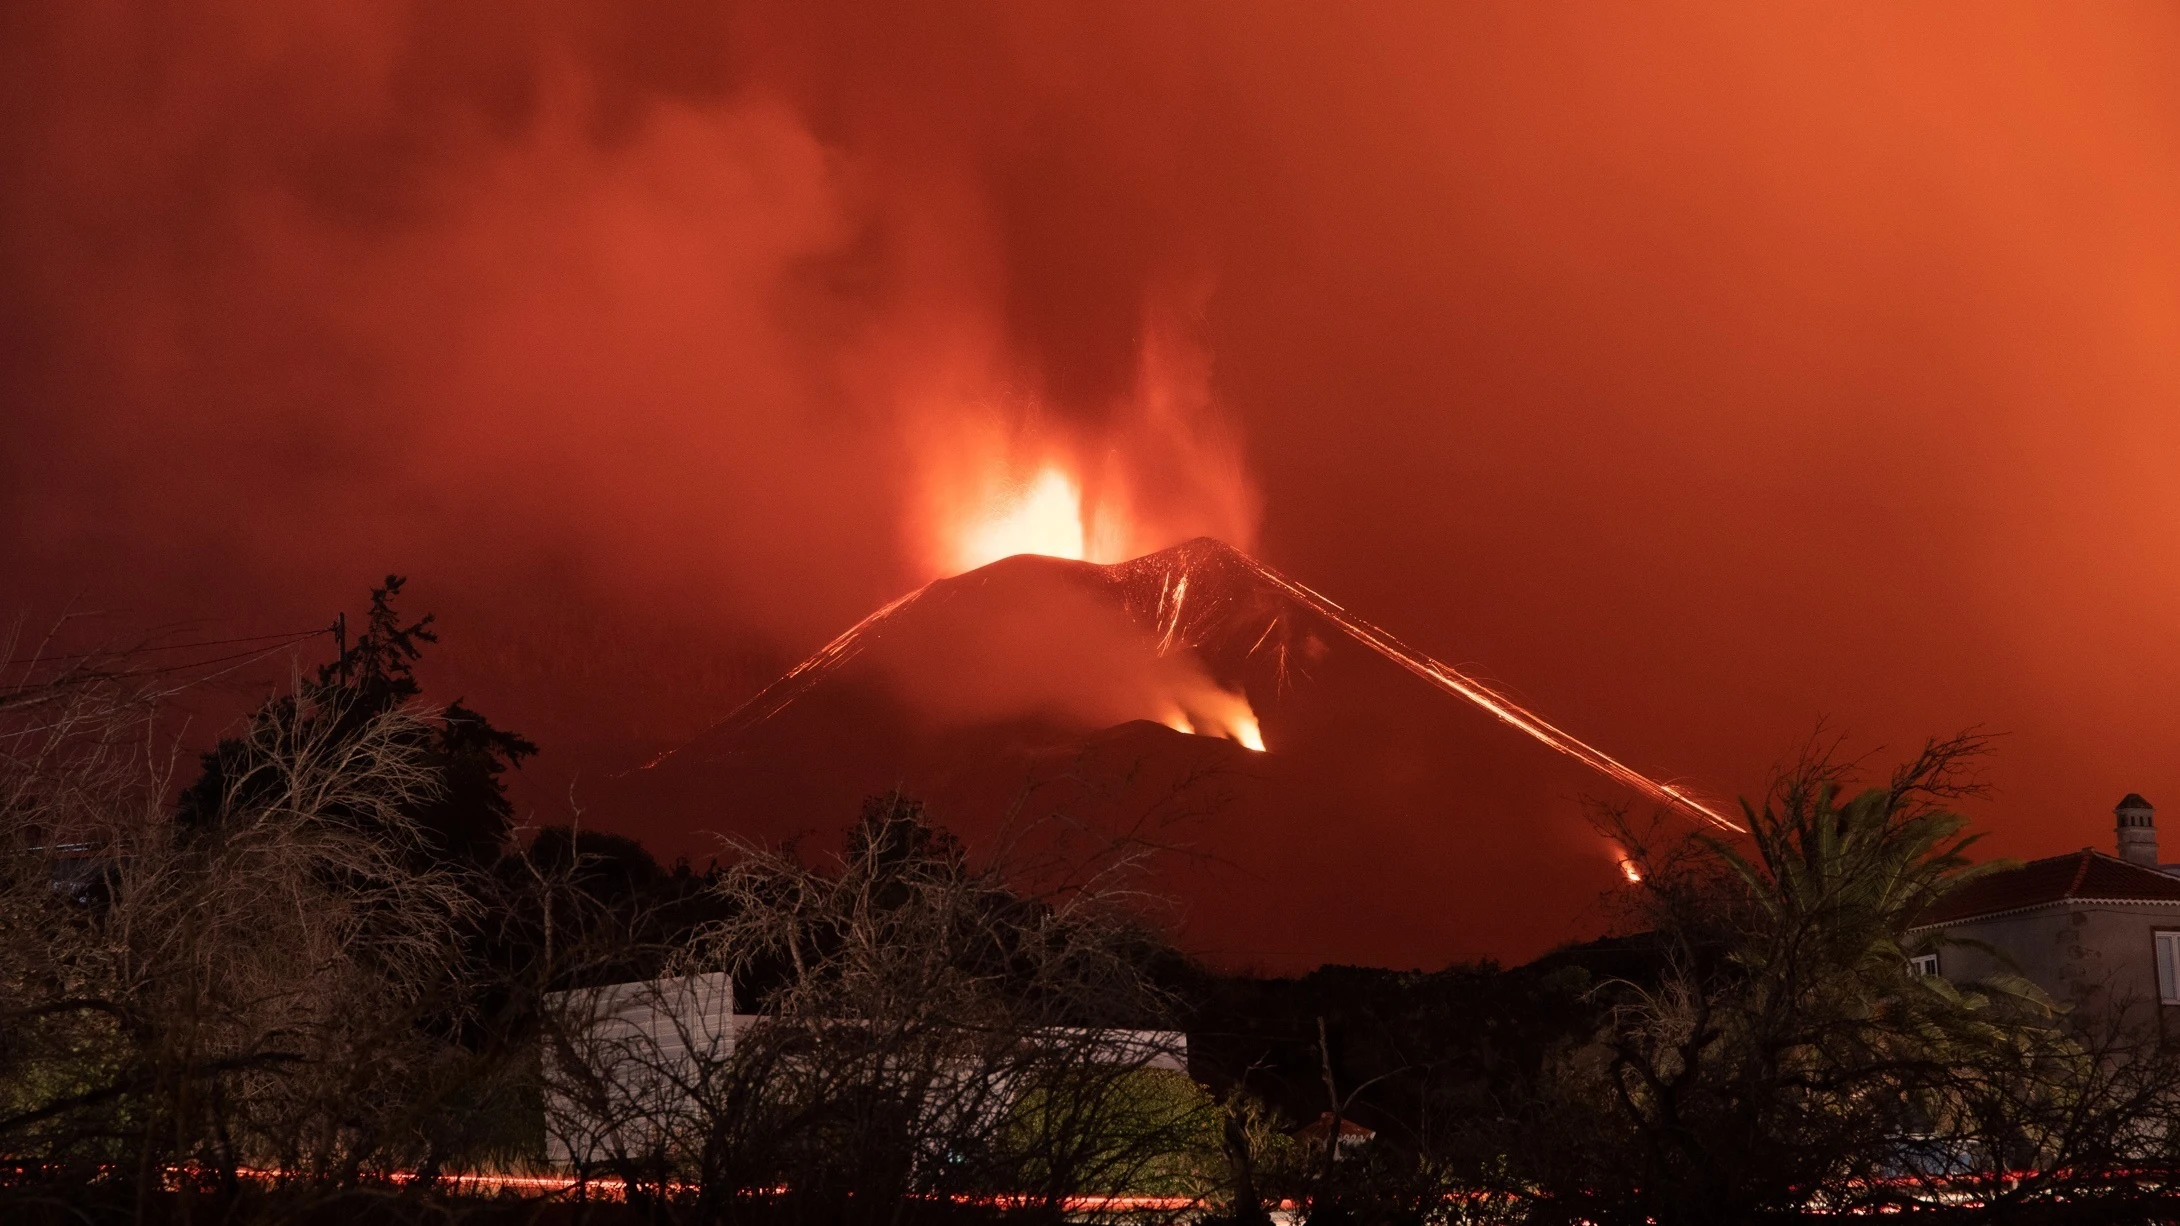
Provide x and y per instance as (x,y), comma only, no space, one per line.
(699,300)
(1699,372)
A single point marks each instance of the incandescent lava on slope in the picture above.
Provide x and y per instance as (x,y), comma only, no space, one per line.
(1386,824)
(1201,601)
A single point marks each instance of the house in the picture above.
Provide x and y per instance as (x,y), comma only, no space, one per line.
(2099,932)
(634,1050)
(1352,1136)
(634,1058)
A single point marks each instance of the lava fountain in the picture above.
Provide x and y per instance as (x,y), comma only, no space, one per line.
(1044,516)
(1048,515)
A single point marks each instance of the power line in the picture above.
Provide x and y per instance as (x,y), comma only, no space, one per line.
(270,647)
(288,637)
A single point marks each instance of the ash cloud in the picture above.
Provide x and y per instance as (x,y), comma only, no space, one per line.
(1695,372)
(674,301)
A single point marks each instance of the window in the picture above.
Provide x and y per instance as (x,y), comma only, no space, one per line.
(2168,967)
(1927,964)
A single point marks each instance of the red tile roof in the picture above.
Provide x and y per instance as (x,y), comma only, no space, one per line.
(2085,875)
(1350,1131)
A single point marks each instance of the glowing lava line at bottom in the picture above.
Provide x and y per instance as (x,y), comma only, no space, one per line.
(1454,681)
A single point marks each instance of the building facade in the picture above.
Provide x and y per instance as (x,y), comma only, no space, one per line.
(633,1061)
(2099,932)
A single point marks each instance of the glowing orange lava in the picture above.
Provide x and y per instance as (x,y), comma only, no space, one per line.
(1505,709)
(1248,734)
(1048,515)
(1205,709)
(1211,711)
(1043,517)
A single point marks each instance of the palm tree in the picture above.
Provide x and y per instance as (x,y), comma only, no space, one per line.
(1784,1051)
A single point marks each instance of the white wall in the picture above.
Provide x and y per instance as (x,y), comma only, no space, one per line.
(2099,958)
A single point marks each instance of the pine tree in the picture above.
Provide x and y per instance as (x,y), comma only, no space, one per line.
(467,818)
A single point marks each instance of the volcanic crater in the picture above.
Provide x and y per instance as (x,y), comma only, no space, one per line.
(1378,824)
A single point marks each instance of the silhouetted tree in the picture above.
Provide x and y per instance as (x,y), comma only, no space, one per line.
(925,1032)
(464,815)
(251,993)
(1784,1063)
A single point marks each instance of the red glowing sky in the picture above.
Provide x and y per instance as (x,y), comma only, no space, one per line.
(1699,371)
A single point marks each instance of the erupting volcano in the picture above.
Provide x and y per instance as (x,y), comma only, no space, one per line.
(1234,594)
(1197,697)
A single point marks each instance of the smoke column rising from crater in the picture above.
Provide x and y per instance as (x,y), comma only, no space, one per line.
(663,296)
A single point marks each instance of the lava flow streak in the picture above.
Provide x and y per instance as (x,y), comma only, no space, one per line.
(1242,725)
(1454,681)
(773,699)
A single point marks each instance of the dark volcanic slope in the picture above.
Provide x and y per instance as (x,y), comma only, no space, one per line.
(1389,822)
(1199,601)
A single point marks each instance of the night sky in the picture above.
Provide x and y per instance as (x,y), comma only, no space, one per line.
(1697,372)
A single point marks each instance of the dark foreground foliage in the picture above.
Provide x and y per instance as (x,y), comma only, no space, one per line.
(330,979)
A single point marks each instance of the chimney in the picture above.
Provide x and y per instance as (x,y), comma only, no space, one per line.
(2137,830)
